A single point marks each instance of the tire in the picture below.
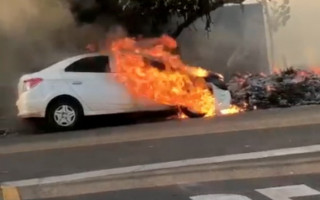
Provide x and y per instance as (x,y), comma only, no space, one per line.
(190,113)
(64,114)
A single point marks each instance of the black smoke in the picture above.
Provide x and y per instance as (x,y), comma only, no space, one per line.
(106,12)
(33,35)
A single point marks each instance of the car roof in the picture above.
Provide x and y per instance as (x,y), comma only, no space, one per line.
(60,65)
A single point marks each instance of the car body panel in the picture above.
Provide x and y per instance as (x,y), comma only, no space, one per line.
(33,103)
(222,97)
(98,93)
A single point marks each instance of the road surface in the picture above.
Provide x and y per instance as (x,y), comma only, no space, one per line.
(236,158)
(26,165)
(66,161)
(248,189)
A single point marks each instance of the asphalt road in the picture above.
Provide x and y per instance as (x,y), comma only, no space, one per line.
(37,164)
(179,142)
(54,162)
(248,189)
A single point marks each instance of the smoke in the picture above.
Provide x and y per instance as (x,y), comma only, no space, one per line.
(236,42)
(35,34)
(297,43)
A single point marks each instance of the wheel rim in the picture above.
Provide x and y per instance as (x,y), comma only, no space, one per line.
(64,115)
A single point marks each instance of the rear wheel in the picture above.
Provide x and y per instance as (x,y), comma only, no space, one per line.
(64,115)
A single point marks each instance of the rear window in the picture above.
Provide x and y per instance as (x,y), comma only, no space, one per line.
(97,64)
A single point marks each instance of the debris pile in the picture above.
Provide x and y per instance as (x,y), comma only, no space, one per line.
(291,87)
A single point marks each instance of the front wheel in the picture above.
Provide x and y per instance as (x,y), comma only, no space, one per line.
(63,115)
(190,113)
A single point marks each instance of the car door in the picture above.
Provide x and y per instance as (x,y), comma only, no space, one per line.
(144,103)
(91,79)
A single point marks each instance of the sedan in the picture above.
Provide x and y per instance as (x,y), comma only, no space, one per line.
(85,85)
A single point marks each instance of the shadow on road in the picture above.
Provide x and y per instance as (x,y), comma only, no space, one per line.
(14,126)
(126,119)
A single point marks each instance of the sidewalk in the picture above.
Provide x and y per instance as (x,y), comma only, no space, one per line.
(8,120)
(10,124)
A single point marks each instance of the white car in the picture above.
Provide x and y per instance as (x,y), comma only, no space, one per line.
(80,86)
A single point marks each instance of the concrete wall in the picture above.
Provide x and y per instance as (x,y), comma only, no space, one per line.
(296,44)
(236,43)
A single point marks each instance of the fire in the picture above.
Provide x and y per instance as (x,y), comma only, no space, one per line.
(175,84)
(315,70)
(181,115)
(232,110)
(150,69)
(198,72)
(312,69)
(276,70)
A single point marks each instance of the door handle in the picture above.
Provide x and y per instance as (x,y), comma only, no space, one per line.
(76,83)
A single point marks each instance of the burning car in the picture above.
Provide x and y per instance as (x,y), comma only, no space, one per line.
(95,84)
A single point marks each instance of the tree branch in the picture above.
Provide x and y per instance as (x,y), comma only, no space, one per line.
(195,16)
(183,25)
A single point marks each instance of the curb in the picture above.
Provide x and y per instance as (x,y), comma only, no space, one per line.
(9,193)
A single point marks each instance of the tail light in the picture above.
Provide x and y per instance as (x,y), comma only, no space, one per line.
(31,83)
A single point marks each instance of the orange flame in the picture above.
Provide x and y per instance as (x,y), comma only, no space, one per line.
(315,70)
(231,110)
(175,84)
(276,70)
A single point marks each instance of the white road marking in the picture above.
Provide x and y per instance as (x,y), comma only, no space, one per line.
(165,165)
(274,193)
(288,192)
(219,197)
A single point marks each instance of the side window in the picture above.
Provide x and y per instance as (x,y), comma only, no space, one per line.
(97,64)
